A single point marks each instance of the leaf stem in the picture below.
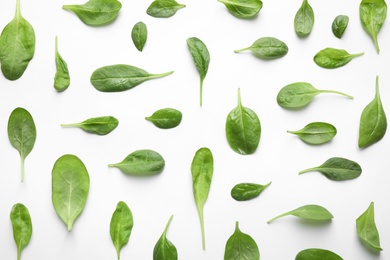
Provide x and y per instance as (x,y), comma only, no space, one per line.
(241,50)
(56,44)
(166,227)
(278,216)
(22,168)
(17,10)
(201,218)
(308,170)
(336,92)
(239,97)
(71,125)
(357,54)
(153,76)
(201,92)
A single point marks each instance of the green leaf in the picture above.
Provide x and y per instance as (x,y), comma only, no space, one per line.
(304,20)
(96,12)
(97,125)
(17,46)
(367,230)
(316,133)
(22,134)
(120,226)
(247,191)
(243,129)
(201,57)
(299,94)
(339,25)
(21,226)
(244,9)
(141,163)
(308,212)
(139,35)
(267,48)
(70,187)
(331,58)
(241,246)
(163,8)
(317,254)
(373,121)
(202,168)
(61,78)
(372,16)
(164,249)
(165,118)
(120,77)
(338,169)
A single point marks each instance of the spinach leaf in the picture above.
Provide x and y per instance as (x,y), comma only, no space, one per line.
(247,191)
(304,19)
(308,212)
(316,133)
(244,9)
(120,77)
(139,35)
(141,163)
(317,254)
(17,46)
(337,169)
(21,226)
(299,94)
(243,129)
(201,57)
(331,58)
(22,134)
(165,118)
(96,12)
(241,246)
(202,168)
(163,8)
(62,78)
(164,249)
(120,226)
(339,25)
(70,187)
(367,230)
(373,122)
(267,48)
(372,16)
(97,125)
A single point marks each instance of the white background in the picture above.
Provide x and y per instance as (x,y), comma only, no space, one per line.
(279,158)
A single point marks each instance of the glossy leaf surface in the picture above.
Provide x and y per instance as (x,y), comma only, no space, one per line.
(331,58)
(367,230)
(241,246)
(317,254)
(139,35)
(165,118)
(163,8)
(61,78)
(316,133)
(267,48)
(120,226)
(244,9)
(164,248)
(247,191)
(304,19)
(339,25)
(97,125)
(308,212)
(21,226)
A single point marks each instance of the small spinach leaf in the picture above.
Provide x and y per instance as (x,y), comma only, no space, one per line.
(201,58)
(202,168)
(120,226)
(304,19)
(317,254)
(70,188)
(139,35)
(247,191)
(120,77)
(367,230)
(339,25)
(331,58)
(96,12)
(316,133)
(243,129)
(141,163)
(309,212)
(267,48)
(244,9)
(22,134)
(17,46)
(299,94)
(165,118)
(97,125)
(61,78)
(163,8)
(164,249)
(373,121)
(241,246)
(21,226)
(337,169)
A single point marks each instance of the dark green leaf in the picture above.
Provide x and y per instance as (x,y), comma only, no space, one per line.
(241,246)
(163,8)
(247,191)
(70,187)
(367,230)
(96,125)
(120,226)
(317,254)
(243,129)
(165,118)
(120,77)
(267,48)
(339,25)
(304,20)
(62,78)
(141,163)
(243,8)
(164,249)
(331,58)
(338,169)
(139,35)
(21,226)
(308,212)
(316,133)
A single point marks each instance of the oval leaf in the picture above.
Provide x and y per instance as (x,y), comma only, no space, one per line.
(331,58)
(21,226)
(339,25)
(165,118)
(141,163)
(97,125)
(244,9)
(163,8)
(139,35)
(367,230)
(61,78)
(120,226)
(267,48)
(308,212)
(70,187)
(164,249)
(304,20)
(247,191)
(317,254)
(316,133)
